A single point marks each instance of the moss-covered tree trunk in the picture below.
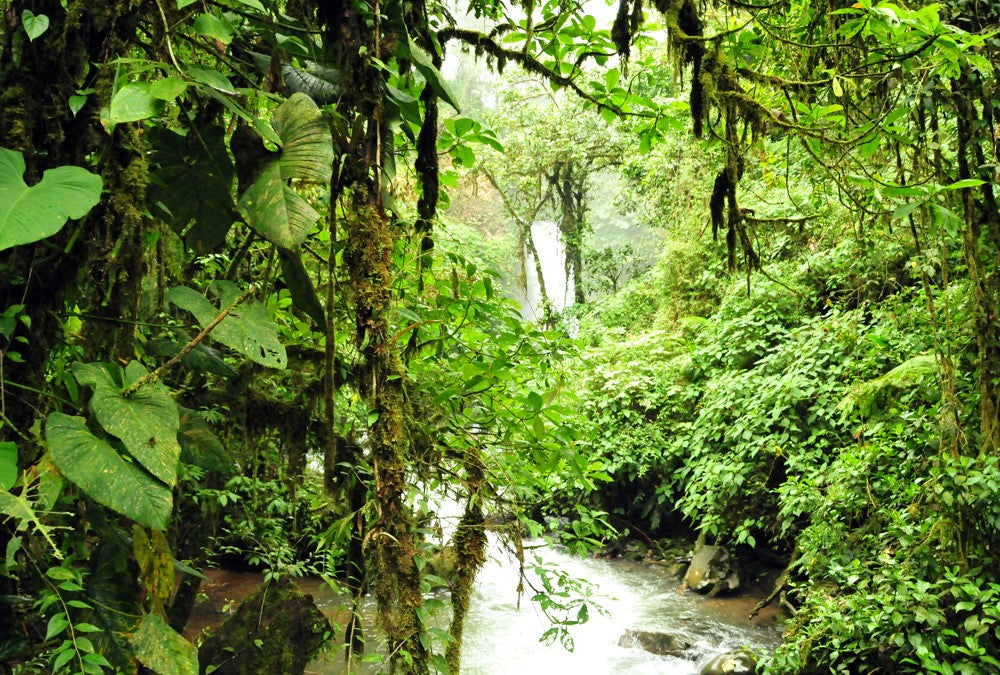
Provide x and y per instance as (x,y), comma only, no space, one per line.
(354,33)
(99,260)
(470,554)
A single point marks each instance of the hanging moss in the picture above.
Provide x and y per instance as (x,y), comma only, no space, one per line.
(470,547)
(689,25)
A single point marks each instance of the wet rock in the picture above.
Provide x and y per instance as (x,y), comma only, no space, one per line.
(664,644)
(711,571)
(635,550)
(731,663)
(275,630)
(556,524)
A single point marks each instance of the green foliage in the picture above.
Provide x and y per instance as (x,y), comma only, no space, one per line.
(103,475)
(161,649)
(566,602)
(246,329)
(268,202)
(910,373)
(8,465)
(28,214)
(146,421)
(192,185)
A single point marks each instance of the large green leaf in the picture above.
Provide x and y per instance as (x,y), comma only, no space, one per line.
(247,329)
(28,214)
(104,475)
(146,422)
(192,185)
(269,204)
(300,285)
(162,649)
(201,447)
(8,465)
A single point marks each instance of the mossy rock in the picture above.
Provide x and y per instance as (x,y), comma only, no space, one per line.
(663,644)
(276,629)
(732,663)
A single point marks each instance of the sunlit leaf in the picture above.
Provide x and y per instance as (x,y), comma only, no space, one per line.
(34,24)
(8,464)
(28,214)
(134,102)
(214,27)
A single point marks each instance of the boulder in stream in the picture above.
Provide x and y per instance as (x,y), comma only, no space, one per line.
(742,661)
(275,630)
(711,571)
(664,644)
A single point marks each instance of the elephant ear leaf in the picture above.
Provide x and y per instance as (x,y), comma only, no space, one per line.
(103,475)
(247,329)
(146,422)
(192,185)
(269,204)
(28,214)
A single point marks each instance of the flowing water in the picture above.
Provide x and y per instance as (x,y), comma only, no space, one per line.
(558,284)
(502,638)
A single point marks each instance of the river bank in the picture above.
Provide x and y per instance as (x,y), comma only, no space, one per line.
(503,628)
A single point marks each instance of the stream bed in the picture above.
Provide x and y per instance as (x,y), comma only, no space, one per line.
(502,638)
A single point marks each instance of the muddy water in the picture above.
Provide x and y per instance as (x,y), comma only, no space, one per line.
(504,638)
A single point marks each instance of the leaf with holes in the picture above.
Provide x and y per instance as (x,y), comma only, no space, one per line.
(146,422)
(270,205)
(247,329)
(94,466)
(28,214)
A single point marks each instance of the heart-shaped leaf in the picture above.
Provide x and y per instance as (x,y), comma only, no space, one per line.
(103,475)
(270,206)
(134,102)
(193,184)
(28,214)
(146,422)
(34,24)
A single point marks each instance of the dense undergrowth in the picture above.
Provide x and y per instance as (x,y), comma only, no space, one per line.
(801,413)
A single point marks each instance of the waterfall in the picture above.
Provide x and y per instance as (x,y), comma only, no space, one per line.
(558,280)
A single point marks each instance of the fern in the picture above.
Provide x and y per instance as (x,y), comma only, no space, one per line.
(866,396)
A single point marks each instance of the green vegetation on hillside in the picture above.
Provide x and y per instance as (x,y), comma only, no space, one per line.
(257,262)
